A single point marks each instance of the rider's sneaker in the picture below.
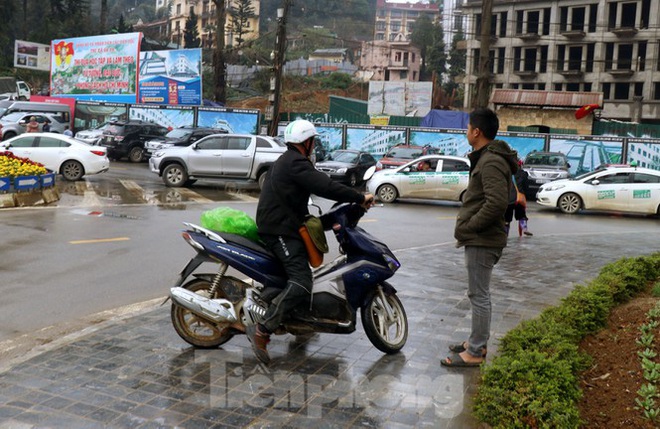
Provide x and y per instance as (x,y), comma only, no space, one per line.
(259,340)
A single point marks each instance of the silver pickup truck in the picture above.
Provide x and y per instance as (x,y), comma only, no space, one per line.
(219,156)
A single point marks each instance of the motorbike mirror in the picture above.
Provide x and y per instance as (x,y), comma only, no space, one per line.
(370,172)
(311,203)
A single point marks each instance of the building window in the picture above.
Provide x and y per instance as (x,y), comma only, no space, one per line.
(395,26)
(397,56)
(380,36)
(606,90)
(533,21)
(639,89)
(526,59)
(403,75)
(621,91)
(380,26)
(497,25)
(573,87)
(396,14)
(587,87)
(558,86)
(633,14)
(178,10)
(656,90)
(622,56)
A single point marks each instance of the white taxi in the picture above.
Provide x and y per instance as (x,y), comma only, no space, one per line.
(438,177)
(617,188)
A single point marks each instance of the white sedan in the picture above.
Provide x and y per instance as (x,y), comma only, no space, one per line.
(64,155)
(622,189)
(445,179)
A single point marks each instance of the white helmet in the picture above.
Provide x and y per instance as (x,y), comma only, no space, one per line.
(298,131)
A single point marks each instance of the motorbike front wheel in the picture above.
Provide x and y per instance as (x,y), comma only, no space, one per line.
(192,328)
(385,322)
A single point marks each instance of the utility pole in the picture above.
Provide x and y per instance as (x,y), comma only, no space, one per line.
(482,93)
(273,110)
(219,66)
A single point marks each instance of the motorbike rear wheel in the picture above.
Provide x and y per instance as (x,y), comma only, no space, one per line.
(193,329)
(387,333)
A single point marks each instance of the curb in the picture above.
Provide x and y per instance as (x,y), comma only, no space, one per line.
(30,198)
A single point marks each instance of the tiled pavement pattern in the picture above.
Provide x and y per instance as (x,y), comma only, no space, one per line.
(136,372)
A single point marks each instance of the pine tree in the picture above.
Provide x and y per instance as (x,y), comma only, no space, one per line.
(191,33)
(240,16)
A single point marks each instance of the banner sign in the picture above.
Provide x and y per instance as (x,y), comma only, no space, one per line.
(29,55)
(171,77)
(97,68)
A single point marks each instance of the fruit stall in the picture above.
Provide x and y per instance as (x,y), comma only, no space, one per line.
(24,182)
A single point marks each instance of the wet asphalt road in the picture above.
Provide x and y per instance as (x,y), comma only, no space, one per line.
(113,241)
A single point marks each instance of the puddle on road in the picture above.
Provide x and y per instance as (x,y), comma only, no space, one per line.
(90,193)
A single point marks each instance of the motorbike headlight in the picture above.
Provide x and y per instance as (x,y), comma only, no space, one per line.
(392,263)
(342,170)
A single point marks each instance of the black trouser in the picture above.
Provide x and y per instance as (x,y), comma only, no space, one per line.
(519,211)
(298,289)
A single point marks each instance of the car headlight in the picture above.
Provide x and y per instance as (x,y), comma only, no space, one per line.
(342,170)
(552,187)
(158,154)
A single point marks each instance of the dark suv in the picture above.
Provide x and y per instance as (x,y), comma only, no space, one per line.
(184,136)
(126,138)
(402,153)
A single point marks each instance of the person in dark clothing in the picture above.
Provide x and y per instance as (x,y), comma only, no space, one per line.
(480,228)
(281,210)
(518,202)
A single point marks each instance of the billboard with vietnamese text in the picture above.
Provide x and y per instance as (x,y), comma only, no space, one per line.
(171,77)
(97,68)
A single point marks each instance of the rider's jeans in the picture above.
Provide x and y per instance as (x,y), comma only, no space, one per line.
(293,255)
(480,262)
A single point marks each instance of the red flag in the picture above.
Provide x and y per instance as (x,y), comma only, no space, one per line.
(585,110)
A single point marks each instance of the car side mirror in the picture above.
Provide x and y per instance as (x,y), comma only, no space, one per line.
(193,146)
(568,165)
(23,122)
(595,182)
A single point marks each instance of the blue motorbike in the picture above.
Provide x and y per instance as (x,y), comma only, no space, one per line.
(211,308)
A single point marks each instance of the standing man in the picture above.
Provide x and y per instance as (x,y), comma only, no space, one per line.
(480,227)
(281,210)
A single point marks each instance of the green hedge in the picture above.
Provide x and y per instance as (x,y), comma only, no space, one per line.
(533,382)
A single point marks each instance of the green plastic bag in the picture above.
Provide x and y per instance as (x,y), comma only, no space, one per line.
(232,221)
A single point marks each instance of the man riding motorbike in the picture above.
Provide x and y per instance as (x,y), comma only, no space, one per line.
(281,210)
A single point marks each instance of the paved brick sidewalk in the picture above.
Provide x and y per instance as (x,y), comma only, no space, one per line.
(137,373)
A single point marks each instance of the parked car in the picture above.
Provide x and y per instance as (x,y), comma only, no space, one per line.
(447,179)
(544,167)
(127,138)
(184,136)
(621,188)
(346,166)
(92,135)
(402,153)
(15,123)
(64,155)
(218,156)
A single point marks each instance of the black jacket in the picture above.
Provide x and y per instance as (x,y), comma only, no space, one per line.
(291,180)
